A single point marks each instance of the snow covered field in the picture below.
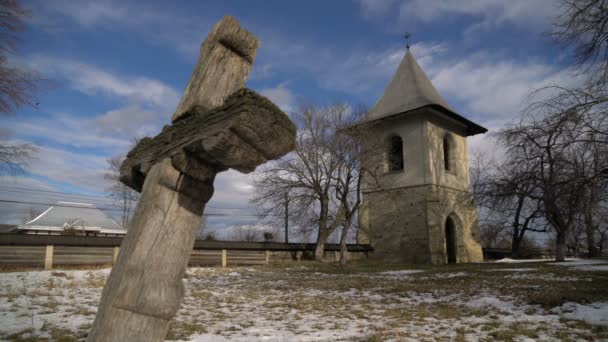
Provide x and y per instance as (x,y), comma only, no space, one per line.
(312,302)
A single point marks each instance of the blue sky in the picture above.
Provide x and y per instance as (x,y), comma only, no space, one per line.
(119,68)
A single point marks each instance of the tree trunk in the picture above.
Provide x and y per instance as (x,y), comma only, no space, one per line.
(560,246)
(343,238)
(320,247)
(515,244)
(590,232)
(343,250)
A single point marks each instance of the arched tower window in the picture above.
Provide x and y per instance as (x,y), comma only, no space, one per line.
(395,154)
(448,151)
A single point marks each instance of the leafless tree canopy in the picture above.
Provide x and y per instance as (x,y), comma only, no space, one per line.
(320,178)
(583,25)
(15,157)
(17,85)
(556,168)
(125,197)
(561,147)
(248,233)
(508,209)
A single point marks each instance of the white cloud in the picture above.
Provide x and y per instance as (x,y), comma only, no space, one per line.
(90,13)
(498,11)
(493,87)
(374,8)
(24,182)
(78,169)
(112,131)
(261,71)
(92,80)
(368,73)
(131,121)
(486,14)
(157,24)
(281,96)
(232,190)
(68,130)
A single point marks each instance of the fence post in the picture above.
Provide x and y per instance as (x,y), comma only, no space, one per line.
(223,258)
(48,257)
(267,257)
(115,254)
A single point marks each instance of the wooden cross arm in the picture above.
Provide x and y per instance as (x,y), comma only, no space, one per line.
(245,132)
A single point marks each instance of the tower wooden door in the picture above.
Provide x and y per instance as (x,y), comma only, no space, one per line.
(450,240)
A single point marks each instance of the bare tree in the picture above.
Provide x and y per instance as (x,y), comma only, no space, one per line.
(348,147)
(575,241)
(15,157)
(510,198)
(17,85)
(123,196)
(553,143)
(583,25)
(31,214)
(247,232)
(491,233)
(308,175)
(203,230)
(602,241)
(73,226)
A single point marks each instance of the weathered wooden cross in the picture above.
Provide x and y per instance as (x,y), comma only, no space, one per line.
(174,171)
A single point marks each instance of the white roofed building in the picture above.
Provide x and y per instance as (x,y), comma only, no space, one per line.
(70,218)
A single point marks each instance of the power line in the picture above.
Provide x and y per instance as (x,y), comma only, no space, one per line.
(118,209)
(16,189)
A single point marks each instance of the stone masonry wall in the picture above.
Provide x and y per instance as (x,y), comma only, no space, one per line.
(443,203)
(397,225)
(408,224)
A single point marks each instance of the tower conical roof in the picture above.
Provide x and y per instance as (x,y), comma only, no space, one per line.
(411,89)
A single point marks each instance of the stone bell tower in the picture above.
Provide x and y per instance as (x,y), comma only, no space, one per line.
(416,202)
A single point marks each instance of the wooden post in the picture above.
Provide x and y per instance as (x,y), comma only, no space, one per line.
(224,259)
(175,172)
(115,254)
(267,257)
(286,217)
(48,257)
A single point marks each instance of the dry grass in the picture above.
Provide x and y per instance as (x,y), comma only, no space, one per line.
(302,298)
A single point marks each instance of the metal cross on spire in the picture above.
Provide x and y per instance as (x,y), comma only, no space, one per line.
(407,37)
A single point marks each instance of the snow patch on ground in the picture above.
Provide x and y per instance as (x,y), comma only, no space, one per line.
(580,262)
(519,261)
(545,277)
(449,275)
(594,313)
(399,273)
(523,269)
(261,304)
(591,268)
